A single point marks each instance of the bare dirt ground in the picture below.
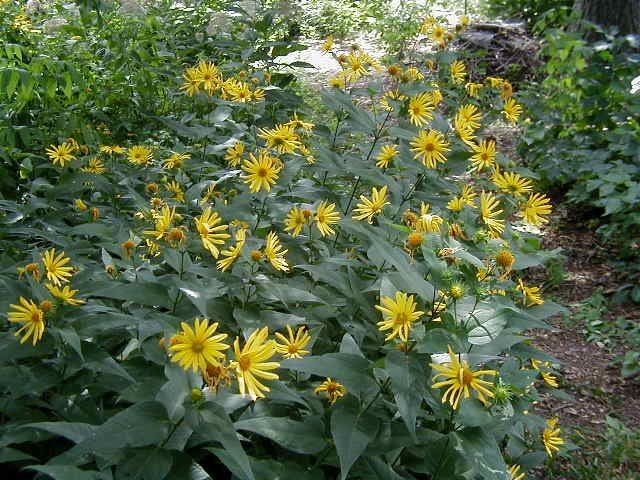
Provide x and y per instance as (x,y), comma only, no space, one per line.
(588,369)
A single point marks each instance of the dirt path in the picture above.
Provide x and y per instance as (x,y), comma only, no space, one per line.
(588,369)
(325,66)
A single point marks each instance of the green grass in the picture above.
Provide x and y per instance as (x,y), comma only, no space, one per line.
(612,455)
(610,332)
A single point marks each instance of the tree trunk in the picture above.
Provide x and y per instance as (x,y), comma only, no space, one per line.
(622,14)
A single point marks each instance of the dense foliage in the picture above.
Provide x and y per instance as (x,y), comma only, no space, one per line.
(209,285)
(69,76)
(547,12)
(586,136)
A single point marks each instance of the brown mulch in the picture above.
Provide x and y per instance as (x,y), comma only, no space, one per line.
(588,371)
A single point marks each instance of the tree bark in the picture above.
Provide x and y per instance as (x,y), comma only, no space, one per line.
(622,14)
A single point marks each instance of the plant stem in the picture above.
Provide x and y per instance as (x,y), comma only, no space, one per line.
(264,201)
(409,193)
(179,295)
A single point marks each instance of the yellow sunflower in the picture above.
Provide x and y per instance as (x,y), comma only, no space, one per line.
(332,389)
(252,364)
(274,252)
(176,190)
(58,272)
(61,154)
(95,166)
(296,220)
(551,437)
(293,345)
(535,209)
(430,147)
(420,109)
(428,222)
(474,89)
(197,347)
(468,117)
(531,296)
(369,208)
(484,156)
(461,381)
(282,138)
(210,230)
(386,155)
(191,85)
(512,183)
(398,315)
(328,44)
(261,172)
(232,254)
(234,154)
(176,160)
(140,155)
(32,318)
(512,110)
(489,211)
(514,473)
(209,75)
(66,294)
(163,222)
(458,71)
(326,216)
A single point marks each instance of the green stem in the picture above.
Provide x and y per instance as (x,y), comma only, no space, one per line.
(409,193)
(346,211)
(264,201)
(383,387)
(174,427)
(179,295)
(442,459)
(353,192)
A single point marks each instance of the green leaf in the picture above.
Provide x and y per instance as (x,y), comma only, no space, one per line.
(484,320)
(380,470)
(412,279)
(201,294)
(217,419)
(482,452)
(286,294)
(143,293)
(407,383)
(173,393)
(351,433)
(142,424)
(472,413)
(76,432)
(252,318)
(352,370)
(12,455)
(145,464)
(300,437)
(98,360)
(546,310)
(70,336)
(67,472)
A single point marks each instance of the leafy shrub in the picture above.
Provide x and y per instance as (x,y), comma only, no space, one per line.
(552,13)
(144,281)
(114,68)
(586,136)
(320,18)
(615,453)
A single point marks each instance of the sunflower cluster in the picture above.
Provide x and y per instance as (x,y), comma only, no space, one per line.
(356,65)
(55,269)
(199,347)
(206,77)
